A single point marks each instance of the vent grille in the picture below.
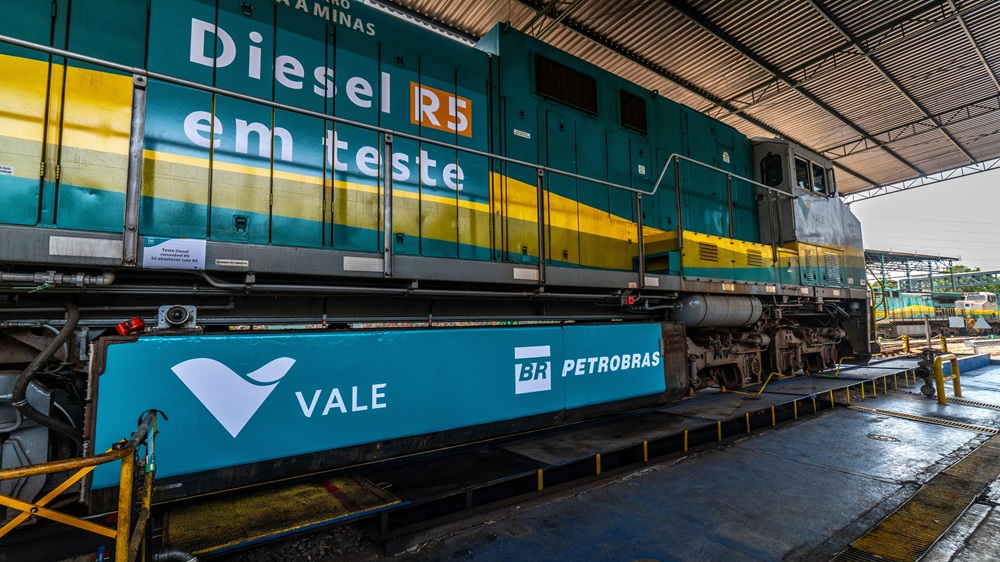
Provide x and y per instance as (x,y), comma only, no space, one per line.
(754,258)
(564,84)
(809,271)
(832,263)
(633,110)
(708,252)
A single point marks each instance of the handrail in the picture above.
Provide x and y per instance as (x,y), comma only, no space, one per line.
(133,191)
(137,71)
(126,538)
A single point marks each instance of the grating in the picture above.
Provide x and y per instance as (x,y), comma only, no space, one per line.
(907,533)
(935,421)
(754,258)
(708,252)
(956,400)
(810,266)
(832,263)
(236,520)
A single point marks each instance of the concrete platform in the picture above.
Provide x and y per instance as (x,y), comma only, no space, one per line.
(803,491)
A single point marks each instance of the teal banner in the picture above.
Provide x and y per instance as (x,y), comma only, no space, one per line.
(239,399)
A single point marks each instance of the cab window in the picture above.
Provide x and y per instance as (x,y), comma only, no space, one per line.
(802,173)
(770,170)
(819,179)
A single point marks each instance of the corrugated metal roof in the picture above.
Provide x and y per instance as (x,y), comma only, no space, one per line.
(891,90)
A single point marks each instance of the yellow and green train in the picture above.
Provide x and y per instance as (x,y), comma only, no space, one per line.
(193,174)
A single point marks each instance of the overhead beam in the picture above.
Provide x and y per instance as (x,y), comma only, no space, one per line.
(975,46)
(910,25)
(937,177)
(684,8)
(886,75)
(934,122)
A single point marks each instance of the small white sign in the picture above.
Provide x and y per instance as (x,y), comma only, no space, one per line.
(232,263)
(522,134)
(725,156)
(642,170)
(6,170)
(173,253)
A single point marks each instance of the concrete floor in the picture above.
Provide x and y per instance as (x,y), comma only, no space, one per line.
(803,491)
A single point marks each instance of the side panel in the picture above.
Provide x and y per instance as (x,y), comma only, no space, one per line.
(239,399)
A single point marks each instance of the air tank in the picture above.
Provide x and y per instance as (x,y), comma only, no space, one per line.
(717,311)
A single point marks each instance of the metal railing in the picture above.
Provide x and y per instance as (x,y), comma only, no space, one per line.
(127,536)
(133,192)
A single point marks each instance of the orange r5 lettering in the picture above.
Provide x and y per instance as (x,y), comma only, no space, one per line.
(440,110)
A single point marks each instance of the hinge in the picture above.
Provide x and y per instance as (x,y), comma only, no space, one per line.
(55,9)
(57,172)
(41,169)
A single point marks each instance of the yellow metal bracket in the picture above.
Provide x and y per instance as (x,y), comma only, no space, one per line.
(126,541)
(954,377)
(723,389)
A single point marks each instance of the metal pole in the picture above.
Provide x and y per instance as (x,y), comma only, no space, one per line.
(387,207)
(541,226)
(133,187)
(641,240)
(729,202)
(677,193)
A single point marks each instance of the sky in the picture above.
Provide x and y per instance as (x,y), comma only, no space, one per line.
(955,218)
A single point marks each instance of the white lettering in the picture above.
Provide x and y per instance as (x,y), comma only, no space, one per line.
(264,138)
(357,87)
(335,401)
(568,366)
(368,161)
(198,122)
(425,165)
(253,66)
(453,176)
(308,412)
(199,29)
(284,66)
(324,82)
(376,395)
(354,401)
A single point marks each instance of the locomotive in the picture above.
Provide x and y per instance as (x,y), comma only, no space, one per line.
(315,234)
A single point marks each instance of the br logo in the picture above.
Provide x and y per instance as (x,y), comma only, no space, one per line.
(532,370)
(232,398)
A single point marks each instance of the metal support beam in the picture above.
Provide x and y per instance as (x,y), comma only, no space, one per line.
(971,169)
(684,8)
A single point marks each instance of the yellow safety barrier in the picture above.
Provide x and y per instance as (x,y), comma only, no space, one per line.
(944,343)
(126,540)
(837,372)
(906,344)
(954,377)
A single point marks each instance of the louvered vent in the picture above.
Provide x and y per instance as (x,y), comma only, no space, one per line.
(832,263)
(754,258)
(810,269)
(708,252)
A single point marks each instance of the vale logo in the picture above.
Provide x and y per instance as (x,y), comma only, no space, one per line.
(232,398)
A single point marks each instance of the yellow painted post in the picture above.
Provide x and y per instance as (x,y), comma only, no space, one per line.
(685,440)
(831,399)
(795,408)
(862,393)
(748,422)
(774,419)
(906,344)
(645,451)
(124,508)
(598,457)
(944,344)
(719,426)
(874,389)
(815,409)
(541,480)
(954,377)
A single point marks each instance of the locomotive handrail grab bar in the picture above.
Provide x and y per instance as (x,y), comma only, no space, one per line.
(136,71)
